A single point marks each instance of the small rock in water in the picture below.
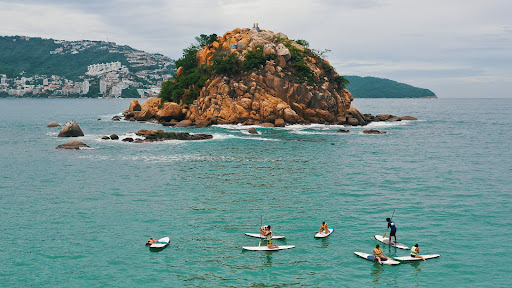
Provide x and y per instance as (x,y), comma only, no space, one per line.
(373,131)
(252,130)
(105,138)
(73,145)
(343,131)
(114,137)
(53,124)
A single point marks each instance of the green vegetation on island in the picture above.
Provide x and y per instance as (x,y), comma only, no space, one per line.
(187,83)
(373,87)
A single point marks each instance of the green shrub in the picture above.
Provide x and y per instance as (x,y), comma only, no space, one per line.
(302,42)
(302,70)
(230,65)
(341,81)
(254,59)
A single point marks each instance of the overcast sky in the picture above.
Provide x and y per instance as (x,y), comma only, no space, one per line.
(456,48)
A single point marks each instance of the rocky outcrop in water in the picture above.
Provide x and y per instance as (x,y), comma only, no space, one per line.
(253,77)
(71,129)
(373,131)
(73,145)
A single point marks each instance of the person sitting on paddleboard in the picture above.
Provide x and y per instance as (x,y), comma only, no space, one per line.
(391,225)
(415,252)
(377,252)
(324,228)
(268,234)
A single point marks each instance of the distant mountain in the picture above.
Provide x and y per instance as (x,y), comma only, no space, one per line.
(373,87)
(34,66)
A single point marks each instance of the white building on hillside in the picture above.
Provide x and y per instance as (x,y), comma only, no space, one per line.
(98,69)
(103,86)
(85,87)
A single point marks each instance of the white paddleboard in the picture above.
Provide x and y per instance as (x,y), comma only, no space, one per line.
(372,258)
(386,241)
(265,248)
(323,235)
(258,235)
(161,243)
(409,258)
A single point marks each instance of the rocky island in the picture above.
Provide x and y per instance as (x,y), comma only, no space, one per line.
(253,77)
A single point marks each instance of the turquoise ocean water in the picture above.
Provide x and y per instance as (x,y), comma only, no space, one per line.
(81,218)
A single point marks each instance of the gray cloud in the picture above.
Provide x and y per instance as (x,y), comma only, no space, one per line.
(468,42)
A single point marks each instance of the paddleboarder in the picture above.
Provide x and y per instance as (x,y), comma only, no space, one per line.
(415,252)
(377,252)
(268,234)
(324,228)
(391,225)
(151,241)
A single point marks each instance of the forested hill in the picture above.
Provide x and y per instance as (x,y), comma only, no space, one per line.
(69,59)
(372,87)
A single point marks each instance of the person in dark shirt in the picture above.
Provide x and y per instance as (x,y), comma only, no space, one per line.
(391,225)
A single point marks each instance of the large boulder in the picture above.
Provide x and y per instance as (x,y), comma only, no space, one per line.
(73,145)
(179,72)
(71,129)
(184,123)
(290,116)
(269,49)
(151,104)
(357,114)
(279,123)
(283,51)
(134,106)
(170,110)
(352,121)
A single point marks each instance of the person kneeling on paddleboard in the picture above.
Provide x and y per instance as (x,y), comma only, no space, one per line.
(377,252)
(324,228)
(268,234)
(415,252)
(391,225)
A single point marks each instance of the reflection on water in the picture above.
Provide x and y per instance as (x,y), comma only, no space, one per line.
(376,272)
(324,242)
(417,270)
(267,259)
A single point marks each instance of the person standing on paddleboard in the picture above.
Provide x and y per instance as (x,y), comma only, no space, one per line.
(391,225)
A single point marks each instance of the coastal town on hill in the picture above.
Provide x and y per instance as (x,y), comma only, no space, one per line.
(134,74)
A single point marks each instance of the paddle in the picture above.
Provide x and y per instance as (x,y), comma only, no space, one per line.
(384,236)
(261,224)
